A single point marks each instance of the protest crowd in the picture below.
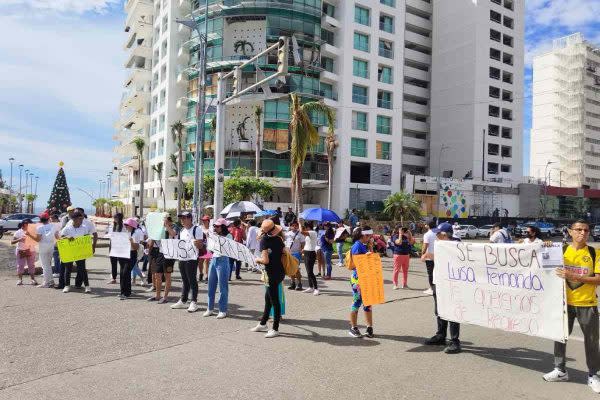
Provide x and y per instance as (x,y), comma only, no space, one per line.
(273,245)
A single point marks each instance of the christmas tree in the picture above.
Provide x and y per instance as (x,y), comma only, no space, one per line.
(59,198)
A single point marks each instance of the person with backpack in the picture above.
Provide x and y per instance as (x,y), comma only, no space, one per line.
(581,273)
(272,249)
(218,273)
(136,237)
(327,248)
(402,243)
(294,240)
(499,235)
(363,244)
(189,268)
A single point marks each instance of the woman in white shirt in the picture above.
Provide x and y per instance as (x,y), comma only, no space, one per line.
(310,256)
(137,236)
(252,240)
(46,236)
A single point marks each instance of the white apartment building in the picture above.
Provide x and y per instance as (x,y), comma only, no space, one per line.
(372,60)
(565,135)
(477,89)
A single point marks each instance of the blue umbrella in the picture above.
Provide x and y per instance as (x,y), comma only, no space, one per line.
(265,213)
(320,214)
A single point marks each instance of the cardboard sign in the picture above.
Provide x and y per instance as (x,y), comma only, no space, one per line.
(222,246)
(120,246)
(370,278)
(77,249)
(177,249)
(511,287)
(155,225)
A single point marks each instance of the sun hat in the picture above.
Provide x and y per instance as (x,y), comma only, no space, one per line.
(131,222)
(221,221)
(268,226)
(70,208)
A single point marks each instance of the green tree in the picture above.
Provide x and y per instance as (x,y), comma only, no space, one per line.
(99,203)
(30,198)
(177,132)
(331,144)
(59,197)
(140,145)
(158,168)
(242,185)
(402,206)
(173,159)
(257,119)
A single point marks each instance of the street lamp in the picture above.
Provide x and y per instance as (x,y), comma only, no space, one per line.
(26,181)
(439,184)
(35,193)
(20,187)
(11,161)
(108,179)
(546,186)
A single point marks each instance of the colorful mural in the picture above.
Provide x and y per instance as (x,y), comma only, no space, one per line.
(453,202)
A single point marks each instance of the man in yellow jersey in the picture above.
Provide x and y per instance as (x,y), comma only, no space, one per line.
(581,274)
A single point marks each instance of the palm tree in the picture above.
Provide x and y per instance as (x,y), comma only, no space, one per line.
(30,198)
(402,206)
(331,144)
(177,132)
(173,159)
(117,204)
(304,135)
(257,119)
(140,145)
(158,168)
(99,203)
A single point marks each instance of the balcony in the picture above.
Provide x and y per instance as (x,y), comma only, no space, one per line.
(419,161)
(135,119)
(416,91)
(417,73)
(140,51)
(138,76)
(136,96)
(418,39)
(329,76)
(420,5)
(415,20)
(417,56)
(413,125)
(330,50)
(136,8)
(330,22)
(414,143)
(415,108)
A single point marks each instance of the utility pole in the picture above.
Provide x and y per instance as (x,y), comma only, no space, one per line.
(439,184)
(20,187)
(219,146)
(37,178)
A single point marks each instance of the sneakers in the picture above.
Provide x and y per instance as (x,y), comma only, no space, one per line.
(370,332)
(88,289)
(221,315)
(260,328)
(163,300)
(316,292)
(340,264)
(193,307)
(395,287)
(292,286)
(272,333)
(33,282)
(436,340)
(453,348)
(45,286)
(428,292)
(327,277)
(122,297)
(151,299)
(309,290)
(19,283)
(594,383)
(180,305)
(354,332)
(112,282)
(207,313)
(150,289)
(299,287)
(66,289)
(556,375)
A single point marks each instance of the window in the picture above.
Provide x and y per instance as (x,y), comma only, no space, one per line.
(495,16)
(497,1)
(509,22)
(493,149)
(493,130)
(417,65)
(163,73)
(277,110)
(327,64)
(416,82)
(494,92)
(361,42)
(384,74)
(386,49)
(383,150)
(328,37)
(384,125)
(391,3)
(495,54)
(494,73)
(505,168)
(495,35)
(506,132)
(507,40)
(386,23)
(358,147)
(362,15)
(507,95)
(384,99)
(360,121)
(360,94)
(507,58)
(163,49)
(493,111)
(327,91)
(509,4)
(360,173)
(360,68)
(165,23)
(507,114)
(163,97)
(161,122)
(507,77)
(329,9)
(506,152)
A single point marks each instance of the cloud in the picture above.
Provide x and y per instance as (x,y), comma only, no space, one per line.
(566,13)
(64,6)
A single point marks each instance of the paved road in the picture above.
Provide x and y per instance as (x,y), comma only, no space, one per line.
(76,346)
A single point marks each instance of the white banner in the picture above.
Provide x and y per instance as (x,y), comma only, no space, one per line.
(512,287)
(120,246)
(177,249)
(222,246)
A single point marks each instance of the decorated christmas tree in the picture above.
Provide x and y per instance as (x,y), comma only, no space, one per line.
(59,198)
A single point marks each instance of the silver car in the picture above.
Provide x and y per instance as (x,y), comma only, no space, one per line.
(484,231)
(10,222)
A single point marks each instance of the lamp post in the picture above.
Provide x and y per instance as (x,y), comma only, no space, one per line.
(37,178)
(108,179)
(439,184)
(10,188)
(31,175)
(20,187)
(26,181)
(546,186)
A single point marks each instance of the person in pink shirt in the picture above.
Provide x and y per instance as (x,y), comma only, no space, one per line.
(25,252)
(239,235)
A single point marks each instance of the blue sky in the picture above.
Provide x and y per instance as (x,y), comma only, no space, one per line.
(61,71)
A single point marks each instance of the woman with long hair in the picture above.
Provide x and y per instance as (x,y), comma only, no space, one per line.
(117,226)
(218,273)
(363,244)
(310,256)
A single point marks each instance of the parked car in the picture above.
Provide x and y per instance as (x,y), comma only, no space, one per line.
(10,222)
(466,232)
(484,231)
(546,228)
(596,233)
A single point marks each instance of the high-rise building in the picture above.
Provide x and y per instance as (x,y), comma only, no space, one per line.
(372,61)
(565,135)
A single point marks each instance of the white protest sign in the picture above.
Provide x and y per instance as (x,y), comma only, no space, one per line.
(512,287)
(222,246)
(178,249)
(120,246)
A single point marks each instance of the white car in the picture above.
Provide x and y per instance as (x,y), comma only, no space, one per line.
(484,231)
(466,232)
(10,222)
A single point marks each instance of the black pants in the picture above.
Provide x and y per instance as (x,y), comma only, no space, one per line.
(125,277)
(238,267)
(272,300)
(145,264)
(113,267)
(442,324)
(429,265)
(81,271)
(309,262)
(188,270)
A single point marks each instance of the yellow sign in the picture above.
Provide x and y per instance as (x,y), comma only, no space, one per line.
(76,249)
(370,278)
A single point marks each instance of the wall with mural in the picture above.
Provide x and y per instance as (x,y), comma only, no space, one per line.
(453,202)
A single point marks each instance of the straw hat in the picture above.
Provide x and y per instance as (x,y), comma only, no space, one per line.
(268,226)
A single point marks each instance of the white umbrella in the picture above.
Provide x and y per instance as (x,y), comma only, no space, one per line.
(241,207)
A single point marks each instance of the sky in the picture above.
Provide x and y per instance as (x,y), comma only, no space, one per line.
(61,76)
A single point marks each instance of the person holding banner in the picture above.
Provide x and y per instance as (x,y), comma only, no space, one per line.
(136,237)
(427,254)
(581,273)
(218,273)
(46,236)
(363,244)
(205,259)
(188,269)
(72,230)
(114,261)
(161,266)
(444,231)
(271,247)
(25,253)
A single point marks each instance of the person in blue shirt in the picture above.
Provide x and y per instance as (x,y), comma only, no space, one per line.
(363,244)
(327,248)
(353,219)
